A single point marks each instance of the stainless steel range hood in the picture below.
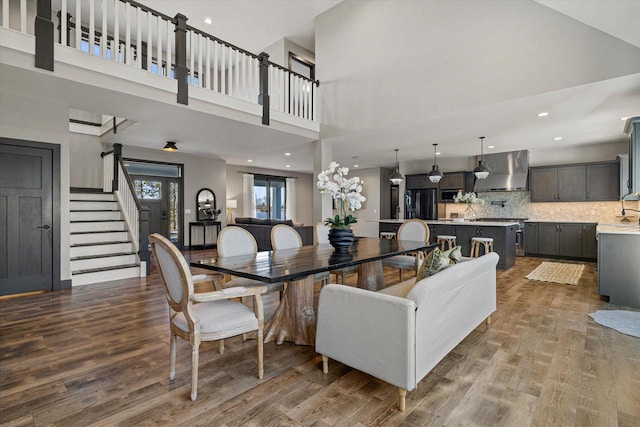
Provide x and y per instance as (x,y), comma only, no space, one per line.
(508,172)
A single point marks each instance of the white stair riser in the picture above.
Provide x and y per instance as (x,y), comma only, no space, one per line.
(97,226)
(93,196)
(112,261)
(104,276)
(94,216)
(117,236)
(93,206)
(101,249)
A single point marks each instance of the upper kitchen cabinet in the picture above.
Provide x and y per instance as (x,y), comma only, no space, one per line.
(419,182)
(452,181)
(575,183)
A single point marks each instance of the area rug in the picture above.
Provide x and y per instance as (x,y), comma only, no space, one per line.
(557,272)
(627,322)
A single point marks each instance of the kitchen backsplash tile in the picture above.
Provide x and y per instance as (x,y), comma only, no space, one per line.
(517,204)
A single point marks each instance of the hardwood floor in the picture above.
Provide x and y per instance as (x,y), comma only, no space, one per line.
(99,354)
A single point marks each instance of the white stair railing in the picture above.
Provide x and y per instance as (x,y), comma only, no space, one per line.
(129,204)
(292,93)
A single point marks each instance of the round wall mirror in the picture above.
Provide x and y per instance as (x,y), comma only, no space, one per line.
(206,206)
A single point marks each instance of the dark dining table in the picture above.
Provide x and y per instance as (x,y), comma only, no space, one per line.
(295,319)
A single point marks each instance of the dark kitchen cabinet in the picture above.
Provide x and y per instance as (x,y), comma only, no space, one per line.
(603,181)
(503,238)
(575,183)
(561,239)
(419,182)
(452,181)
(388,227)
(436,230)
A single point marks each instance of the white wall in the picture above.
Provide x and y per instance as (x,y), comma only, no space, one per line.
(279,52)
(305,186)
(38,120)
(86,169)
(371,207)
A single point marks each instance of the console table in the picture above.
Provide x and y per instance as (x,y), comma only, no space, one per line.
(204,224)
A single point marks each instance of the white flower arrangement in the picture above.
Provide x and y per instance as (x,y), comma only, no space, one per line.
(345,191)
(469,198)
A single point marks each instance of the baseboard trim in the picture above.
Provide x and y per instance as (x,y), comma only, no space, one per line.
(65,284)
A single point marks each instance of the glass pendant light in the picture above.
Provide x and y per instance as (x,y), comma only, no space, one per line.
(435,175)
(482,171)
(395,177)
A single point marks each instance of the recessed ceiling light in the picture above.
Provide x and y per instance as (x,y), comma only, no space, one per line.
(287,154)
(557,138)
(437,153)
(625,118)
(208,21)
(491,146)
(250,161)
(543,114)
(355,166)
(287,166)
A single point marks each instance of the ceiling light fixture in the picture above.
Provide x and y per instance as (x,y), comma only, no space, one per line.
(557,138)
(250,161)
(482,171)
(543,114)
(491,146)
(287,154)
(435,175)
(287,166)
(396,178)
(208,21)
(170,146)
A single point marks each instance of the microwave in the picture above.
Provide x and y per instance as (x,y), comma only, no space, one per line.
(448,195)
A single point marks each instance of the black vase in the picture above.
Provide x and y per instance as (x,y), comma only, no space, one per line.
(341,239)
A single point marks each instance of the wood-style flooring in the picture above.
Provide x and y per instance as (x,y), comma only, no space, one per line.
(99,354)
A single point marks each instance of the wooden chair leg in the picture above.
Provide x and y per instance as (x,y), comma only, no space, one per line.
(325,364)
(194,371)
(260,355)
(172,358)
(402,394)
(488,320)
(221,346)
(400,270)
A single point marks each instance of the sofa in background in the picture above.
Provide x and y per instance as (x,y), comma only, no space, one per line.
(400,333)
(261,230)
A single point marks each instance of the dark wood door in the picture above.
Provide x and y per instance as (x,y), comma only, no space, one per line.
(544,184)
(589,242)
(571,240)
(26,219)
(548,238)
(161,196)
(572,183)
(603,181)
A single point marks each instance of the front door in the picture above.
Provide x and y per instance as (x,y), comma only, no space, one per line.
(161,196)
(26,218)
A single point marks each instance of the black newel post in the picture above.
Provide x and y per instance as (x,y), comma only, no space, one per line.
(263,97)
(181,71)
(143,229)
(117,155)
(44,35)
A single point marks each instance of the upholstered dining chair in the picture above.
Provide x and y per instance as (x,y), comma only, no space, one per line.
(206,316)
(321,231)
(414,230)
(284,236)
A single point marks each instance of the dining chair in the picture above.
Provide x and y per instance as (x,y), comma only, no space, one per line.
(206,316)
(284,236)
(321,231)
(414,230)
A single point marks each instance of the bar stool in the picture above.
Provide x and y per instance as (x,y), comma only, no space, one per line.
(487,242)
(450,241)
(387,235)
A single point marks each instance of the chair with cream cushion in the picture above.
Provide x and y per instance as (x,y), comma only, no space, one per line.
(321,231)
(414,230)
(286,237)
(207,316)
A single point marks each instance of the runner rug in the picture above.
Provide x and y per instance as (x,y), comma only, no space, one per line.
(557,272)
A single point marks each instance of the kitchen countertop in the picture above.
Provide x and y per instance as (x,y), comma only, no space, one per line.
(449,222)
(633,229)
(563,221)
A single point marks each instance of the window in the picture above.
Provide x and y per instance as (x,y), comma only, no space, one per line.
(301,66)
(270,197)
(150,190)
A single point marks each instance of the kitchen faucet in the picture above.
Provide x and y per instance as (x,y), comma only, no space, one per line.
(624,211)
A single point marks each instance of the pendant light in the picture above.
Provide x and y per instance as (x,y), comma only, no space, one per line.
(170,146)
(435,175)
(482,171)
(395,177)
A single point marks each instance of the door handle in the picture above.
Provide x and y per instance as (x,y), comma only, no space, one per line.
(46,227)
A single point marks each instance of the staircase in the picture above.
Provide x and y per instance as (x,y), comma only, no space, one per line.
(101,246)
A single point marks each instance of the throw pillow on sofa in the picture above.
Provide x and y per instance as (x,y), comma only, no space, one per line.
(436,260)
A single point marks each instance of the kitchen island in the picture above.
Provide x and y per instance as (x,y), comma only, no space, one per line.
(618,266)
(503,234)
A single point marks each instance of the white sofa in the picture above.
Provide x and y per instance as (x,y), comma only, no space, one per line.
(400,333)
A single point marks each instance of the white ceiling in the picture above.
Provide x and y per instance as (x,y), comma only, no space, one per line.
(585,106)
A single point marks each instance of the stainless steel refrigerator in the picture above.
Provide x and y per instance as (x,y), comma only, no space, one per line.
(422,204)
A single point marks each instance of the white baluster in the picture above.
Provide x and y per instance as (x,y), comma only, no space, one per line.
(138,62)
(23,16)
(191,68)
(149,42)
(5,13)
(92,27)
(200,82)
(127,40)
(115,46)
(159,42)
(215,65)
(104,39)
(223,69)
(78,18)
(237,74)
(207,46)
(231,81)
(63,20)
(169,37)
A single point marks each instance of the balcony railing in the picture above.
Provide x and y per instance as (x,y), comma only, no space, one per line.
(131,34)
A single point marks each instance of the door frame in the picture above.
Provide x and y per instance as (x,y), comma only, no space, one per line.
(56,282)
(180,187)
